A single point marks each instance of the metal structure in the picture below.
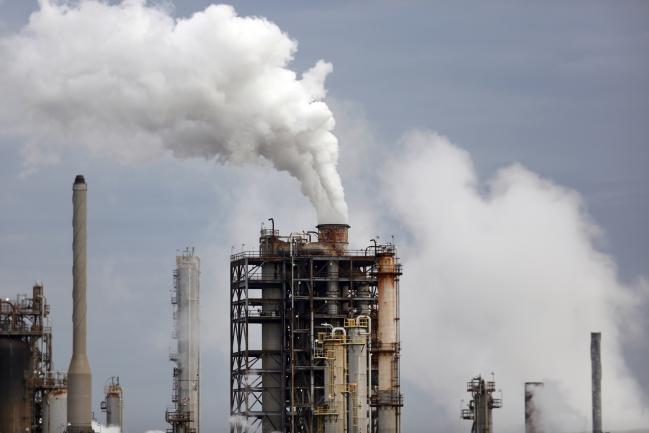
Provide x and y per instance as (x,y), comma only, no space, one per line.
(26,375)
(533,414)
(184,417)
(481,405)
(596,376)
(113,403)
(314,342)
(79,376)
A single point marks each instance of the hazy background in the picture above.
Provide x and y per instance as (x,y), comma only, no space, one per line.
(560,88)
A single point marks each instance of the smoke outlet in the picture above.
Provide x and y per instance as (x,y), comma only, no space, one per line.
(335,235)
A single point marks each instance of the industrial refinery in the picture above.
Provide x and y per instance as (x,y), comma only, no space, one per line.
(328,316)
(314,345)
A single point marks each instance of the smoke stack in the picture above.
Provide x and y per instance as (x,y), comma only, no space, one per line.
(596,366)
(335,235)
(79,377)
(532,412)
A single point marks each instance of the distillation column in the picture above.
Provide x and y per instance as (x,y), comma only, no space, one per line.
(113,403)
(358,359)
(187,328)
(388,397)
(79,376)
(271,336)
(335,384)
(481,405)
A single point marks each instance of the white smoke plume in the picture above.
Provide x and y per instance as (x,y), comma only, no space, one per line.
(129,81)
(504,277)
(551,413)
(100,428)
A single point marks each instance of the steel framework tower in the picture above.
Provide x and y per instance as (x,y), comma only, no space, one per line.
(26,376)
(481,404)
(184,417)
(315,335)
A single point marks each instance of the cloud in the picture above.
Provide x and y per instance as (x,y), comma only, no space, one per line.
(130,82)
(503,277)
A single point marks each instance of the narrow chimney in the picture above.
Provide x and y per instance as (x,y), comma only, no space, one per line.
(596,371)
(532,411)
(79,377)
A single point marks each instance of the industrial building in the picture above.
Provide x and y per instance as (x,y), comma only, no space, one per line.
(32,393)
(33,397)
(184,416)
(315,334)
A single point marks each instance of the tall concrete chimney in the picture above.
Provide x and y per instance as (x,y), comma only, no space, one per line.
(79,377)
(596,371)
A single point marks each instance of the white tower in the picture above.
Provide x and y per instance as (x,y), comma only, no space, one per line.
(186,394)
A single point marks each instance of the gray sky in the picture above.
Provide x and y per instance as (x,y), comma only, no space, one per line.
(560,87)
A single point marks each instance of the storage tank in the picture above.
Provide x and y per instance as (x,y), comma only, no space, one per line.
(15,410)
(112,405)
(55,412)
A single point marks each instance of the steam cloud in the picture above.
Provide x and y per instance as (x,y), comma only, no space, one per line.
(130,82)
(506,279)
(100,428)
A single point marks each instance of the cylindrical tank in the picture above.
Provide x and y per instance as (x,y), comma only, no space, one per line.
(272,395)
(15,410)
(112,404)
(388,383)
(188,323)
(364,305)
(336,235)
(358,411)
(55,412)
(335,381)
(271,344)
(114,410)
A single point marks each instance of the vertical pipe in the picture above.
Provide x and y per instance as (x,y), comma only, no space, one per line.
(335,382)
(596,371)
(79,376)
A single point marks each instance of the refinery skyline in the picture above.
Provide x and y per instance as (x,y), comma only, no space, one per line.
(520,222)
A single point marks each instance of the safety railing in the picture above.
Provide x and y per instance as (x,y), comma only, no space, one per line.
(387,398)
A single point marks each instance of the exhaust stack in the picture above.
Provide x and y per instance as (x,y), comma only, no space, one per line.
(596,371)
(79,376)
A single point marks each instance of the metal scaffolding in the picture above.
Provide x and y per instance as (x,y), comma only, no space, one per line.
(26,361)
(284,299)
(481,405)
